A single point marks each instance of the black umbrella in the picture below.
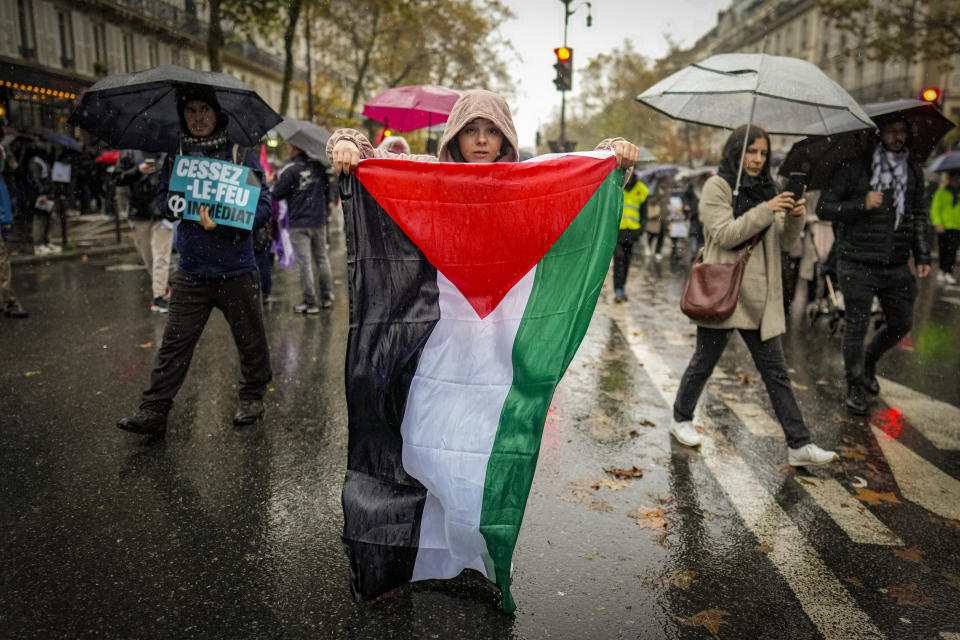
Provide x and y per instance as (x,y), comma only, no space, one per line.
(139,110)
(820,156)
(309,137)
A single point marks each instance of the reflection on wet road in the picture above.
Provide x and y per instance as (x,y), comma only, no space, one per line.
(225,533)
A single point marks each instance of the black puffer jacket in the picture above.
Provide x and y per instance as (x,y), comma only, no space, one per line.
(869,237)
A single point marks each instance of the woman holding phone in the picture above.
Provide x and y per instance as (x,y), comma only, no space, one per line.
(730,222)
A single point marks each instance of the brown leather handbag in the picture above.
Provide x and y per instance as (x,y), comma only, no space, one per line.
(712,290)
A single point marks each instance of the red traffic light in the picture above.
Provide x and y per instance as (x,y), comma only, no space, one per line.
(563,53)
(564,68)
(931,94)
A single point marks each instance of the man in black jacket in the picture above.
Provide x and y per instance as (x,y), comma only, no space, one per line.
(876,204)
(303,183)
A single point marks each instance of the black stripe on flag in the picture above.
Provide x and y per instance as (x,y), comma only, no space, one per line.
(393,310)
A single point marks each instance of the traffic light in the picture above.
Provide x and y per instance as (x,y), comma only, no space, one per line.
(564,67)
(932,95)
(386,133)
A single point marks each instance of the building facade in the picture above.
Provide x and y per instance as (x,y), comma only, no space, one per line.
(797,28)
(52,50)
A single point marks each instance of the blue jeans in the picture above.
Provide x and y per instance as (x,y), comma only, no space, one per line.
(767,355)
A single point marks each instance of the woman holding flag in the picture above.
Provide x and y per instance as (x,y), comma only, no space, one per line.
(472,282)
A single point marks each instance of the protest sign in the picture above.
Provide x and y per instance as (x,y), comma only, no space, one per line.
(230,190)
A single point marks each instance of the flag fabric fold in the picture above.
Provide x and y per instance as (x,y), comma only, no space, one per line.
(471,289)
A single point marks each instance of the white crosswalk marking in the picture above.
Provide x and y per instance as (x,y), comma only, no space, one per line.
(936,420)
(675,338)
(756,419)
(919,481)
(857,521)
(823,598)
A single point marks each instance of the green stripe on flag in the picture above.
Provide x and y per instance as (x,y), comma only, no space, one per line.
(554,323)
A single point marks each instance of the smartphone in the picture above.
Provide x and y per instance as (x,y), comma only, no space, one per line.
(795,184)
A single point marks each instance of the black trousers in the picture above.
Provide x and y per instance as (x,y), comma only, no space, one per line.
(626,238)
(947,243)
(191,301)
(767,355)
(896,288)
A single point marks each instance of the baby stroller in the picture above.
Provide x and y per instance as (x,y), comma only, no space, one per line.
(827,301)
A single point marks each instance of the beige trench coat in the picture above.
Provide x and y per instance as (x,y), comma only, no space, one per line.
(761,294)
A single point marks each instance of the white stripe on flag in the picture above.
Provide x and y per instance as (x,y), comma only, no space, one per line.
(451,418)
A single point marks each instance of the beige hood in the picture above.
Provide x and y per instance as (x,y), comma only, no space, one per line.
(479,103)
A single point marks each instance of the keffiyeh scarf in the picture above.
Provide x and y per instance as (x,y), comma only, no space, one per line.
(890,172)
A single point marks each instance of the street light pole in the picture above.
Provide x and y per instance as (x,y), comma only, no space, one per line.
(567,12)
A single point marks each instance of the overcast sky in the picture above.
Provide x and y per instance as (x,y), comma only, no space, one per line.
(538,28)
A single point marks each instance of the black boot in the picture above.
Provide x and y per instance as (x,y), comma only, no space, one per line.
(856,401)
(870,383)
(248,412)
(148,422)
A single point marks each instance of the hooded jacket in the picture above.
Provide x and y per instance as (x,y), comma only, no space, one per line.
(477,103)
(302,182)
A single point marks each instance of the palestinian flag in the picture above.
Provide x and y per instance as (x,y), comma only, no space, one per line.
(472,286)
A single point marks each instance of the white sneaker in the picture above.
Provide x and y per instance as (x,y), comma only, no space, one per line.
(809,455)
(949,279)
(40,249)
(686,434)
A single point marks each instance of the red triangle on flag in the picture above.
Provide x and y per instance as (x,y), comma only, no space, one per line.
(484,226)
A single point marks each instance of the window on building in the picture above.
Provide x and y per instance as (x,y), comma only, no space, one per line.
(28,30)
(154,51)
(65,27)
(100,48)
(129,57)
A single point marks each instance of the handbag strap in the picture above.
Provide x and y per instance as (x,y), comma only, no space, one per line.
(749,249)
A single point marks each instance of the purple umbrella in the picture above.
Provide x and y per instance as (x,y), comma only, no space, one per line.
(414,107)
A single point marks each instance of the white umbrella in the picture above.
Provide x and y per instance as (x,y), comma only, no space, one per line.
(778,94)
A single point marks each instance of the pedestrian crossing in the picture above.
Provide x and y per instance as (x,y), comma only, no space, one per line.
(824,599)
(829,606)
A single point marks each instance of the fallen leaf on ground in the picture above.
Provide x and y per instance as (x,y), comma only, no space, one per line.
(797,385)
(874,498)
(31,373)
(821,381)
(763,548)
(912,554)
(650,518)
(910,594)
(633,433)
(745,379)
(731,396)
(856,582)
(632,472)
(146,345)
(852,452)
(954,523)
(599,505)
(683,579)
(711,619)
(647,423)
(806,481)
(699,428)
(613,485)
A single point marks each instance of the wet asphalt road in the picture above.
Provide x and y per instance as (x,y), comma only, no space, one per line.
(220,532)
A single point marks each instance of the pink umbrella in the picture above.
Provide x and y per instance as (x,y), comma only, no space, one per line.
(414,107)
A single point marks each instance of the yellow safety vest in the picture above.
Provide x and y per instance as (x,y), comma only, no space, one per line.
(632,200)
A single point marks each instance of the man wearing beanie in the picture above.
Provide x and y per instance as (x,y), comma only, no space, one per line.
(216,269)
